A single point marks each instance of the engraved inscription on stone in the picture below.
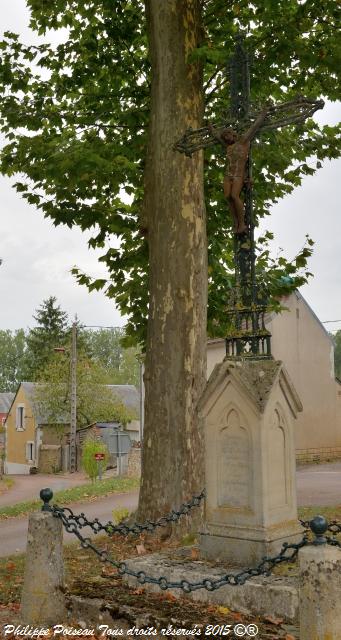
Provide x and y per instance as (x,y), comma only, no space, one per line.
(233,464)
(277,463)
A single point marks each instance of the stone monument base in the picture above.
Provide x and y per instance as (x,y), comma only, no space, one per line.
(247,546)
(272,595)
(248,409)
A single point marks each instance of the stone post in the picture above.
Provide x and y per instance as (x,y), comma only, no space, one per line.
(320,588)
(43,600)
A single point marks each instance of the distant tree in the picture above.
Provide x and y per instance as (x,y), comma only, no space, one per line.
(13,359)
(105,348)
(52,330)
(95,401)
(337,354)
(129,369)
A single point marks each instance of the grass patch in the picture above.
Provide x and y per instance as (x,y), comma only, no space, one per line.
(5,484)
(78,562)
(331,513)
(86,492)
(11,578)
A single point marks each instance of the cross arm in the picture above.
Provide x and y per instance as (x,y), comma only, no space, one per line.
(256,125)
(216,134)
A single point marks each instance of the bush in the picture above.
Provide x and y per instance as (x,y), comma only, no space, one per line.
(89,463)
(118,515)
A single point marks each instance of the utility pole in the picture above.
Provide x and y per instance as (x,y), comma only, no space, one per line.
(73,417)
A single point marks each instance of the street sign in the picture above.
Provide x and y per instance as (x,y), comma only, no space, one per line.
(99,456)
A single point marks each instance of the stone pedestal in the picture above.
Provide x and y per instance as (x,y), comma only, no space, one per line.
(320,592)
(42,600)
(248,410)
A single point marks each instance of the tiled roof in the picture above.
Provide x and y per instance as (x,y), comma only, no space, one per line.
(126,393)
(6,400)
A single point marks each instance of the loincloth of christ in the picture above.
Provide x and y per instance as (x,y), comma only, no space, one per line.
(236,156)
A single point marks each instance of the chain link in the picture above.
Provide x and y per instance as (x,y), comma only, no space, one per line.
(80,521)
(334,542)
(334,527)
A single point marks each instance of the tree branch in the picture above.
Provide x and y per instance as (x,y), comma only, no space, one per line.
(210,94)
(218,70)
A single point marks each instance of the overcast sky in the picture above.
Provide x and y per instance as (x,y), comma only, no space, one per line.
(37,257)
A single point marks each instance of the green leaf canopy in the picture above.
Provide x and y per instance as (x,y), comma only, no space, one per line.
(75,119)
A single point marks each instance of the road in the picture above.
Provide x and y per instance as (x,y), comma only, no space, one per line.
(319,484)
(28,487)
(13,532)
(316,485)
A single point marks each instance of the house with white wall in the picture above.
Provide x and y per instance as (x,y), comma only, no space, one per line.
(300,340)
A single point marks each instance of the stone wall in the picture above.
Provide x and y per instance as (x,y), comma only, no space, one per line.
(49,458)
(323,454)
(134,462)
(55,434)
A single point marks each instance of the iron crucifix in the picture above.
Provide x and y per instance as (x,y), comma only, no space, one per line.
(237,133)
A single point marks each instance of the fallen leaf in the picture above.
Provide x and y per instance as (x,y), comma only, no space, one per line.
(138,592)
(236,616)
(194,554)
(211,609)
(289,637)
(273,620)
(223,610)
(109,572)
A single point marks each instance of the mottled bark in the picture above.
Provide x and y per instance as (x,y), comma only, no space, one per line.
(174,213)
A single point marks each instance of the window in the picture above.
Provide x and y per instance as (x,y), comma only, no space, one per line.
(30,451)
(20,417)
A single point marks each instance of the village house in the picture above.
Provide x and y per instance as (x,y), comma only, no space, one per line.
(30,442)
(300,340)
(6,400)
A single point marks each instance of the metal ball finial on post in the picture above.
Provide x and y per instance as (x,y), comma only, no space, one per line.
(319,526)
(46,496)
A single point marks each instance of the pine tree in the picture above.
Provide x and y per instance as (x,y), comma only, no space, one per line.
(52,331)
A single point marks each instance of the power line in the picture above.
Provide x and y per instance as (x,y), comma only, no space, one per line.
(328,321)
(99,326)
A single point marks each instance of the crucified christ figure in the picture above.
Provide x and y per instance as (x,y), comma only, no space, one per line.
(237,151)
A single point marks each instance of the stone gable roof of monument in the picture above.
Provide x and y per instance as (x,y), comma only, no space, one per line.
(256,380)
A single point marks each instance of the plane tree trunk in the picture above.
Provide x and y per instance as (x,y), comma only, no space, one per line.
(174,218)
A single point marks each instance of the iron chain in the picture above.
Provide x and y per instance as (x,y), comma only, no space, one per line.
(72,523)
(334,527)
(288,553)
(123,529)
(334,542)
